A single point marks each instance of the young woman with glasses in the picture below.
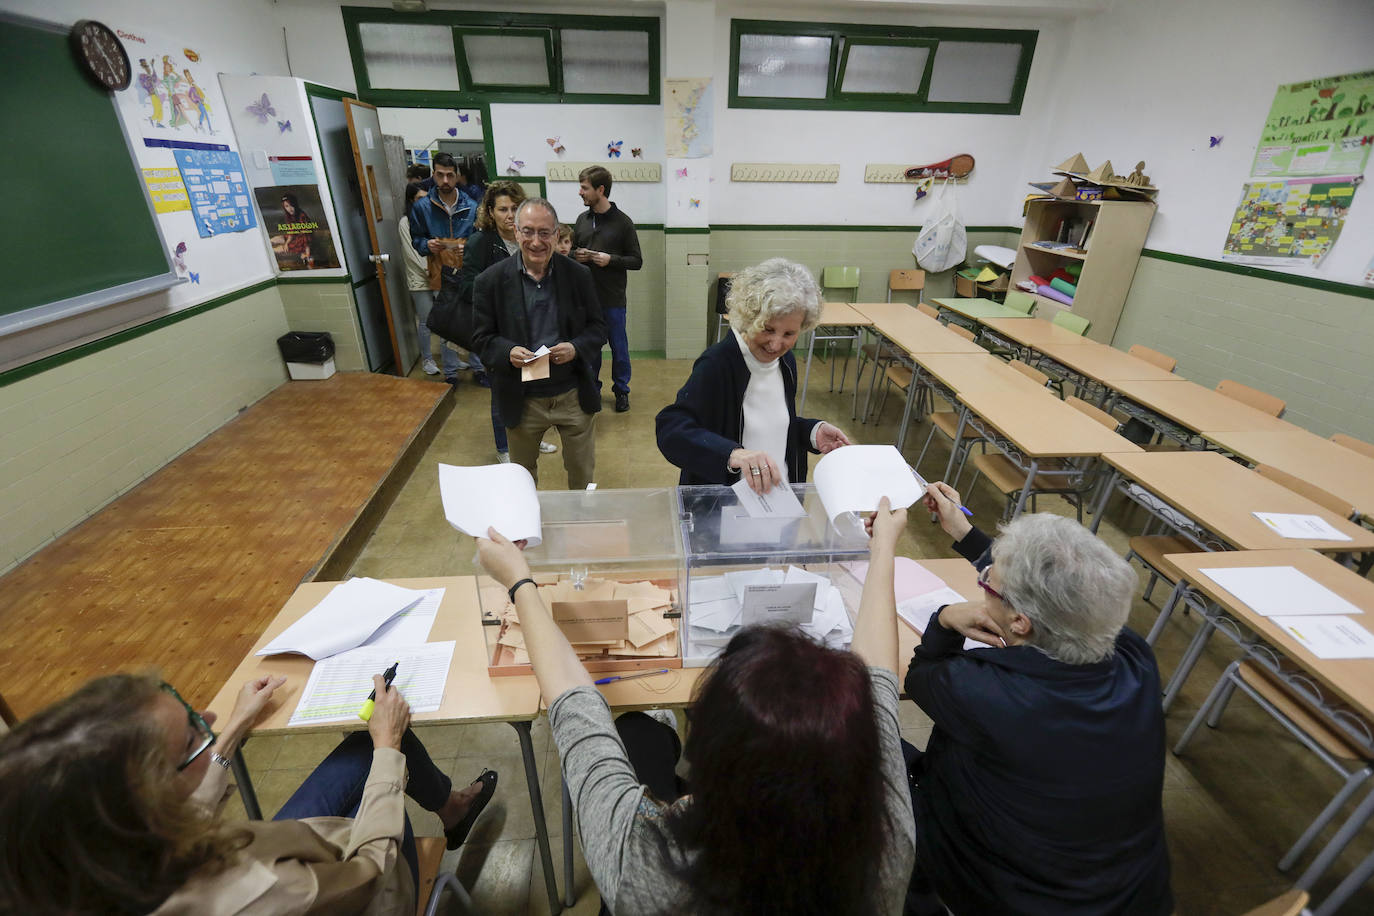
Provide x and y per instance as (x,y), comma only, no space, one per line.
(109,803)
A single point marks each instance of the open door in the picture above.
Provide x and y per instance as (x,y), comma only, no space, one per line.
(382,215)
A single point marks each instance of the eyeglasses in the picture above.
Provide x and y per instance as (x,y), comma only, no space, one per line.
(204,735)
(528,232)
(983,584)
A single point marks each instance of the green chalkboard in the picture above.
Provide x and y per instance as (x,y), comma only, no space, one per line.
(76,220)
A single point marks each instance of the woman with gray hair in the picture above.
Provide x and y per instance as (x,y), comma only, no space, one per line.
(737,413)
(1040,790)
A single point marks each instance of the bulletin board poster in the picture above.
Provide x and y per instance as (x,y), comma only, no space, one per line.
(175,96)
(300,239)
(688,118)
(1320,127)
(1290,221)
(166,190)
(218,190)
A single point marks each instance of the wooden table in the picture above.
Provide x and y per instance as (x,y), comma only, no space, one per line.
(1029,426)
(979,309)
(1335,468)
(1181,409)
(959,575)
(1035,333)
(470,694)
(833,315)
(1096,365)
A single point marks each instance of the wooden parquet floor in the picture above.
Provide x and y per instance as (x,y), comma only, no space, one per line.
(182,573)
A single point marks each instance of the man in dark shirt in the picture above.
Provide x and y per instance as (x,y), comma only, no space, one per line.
(604,239)
(535,299)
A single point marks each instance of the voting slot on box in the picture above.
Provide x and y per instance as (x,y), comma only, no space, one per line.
(609,568)
(742,569)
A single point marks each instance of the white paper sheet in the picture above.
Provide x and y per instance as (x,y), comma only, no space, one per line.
(830,617)
(737,527)
(745,577)
(1273,591)
(1301,527)
(542,351)
(411,627)
(1329,637)
(856,478)
(779,502)
(500,496)
(717,616)
(917,610)
(709,588)
(338,686)
(347,617)
(768,604)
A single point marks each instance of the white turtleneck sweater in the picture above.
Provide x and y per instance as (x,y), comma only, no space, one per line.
(765,407)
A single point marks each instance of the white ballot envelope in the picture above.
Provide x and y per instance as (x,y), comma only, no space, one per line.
(500,496)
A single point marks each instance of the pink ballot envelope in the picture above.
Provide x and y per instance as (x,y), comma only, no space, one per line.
(535,370)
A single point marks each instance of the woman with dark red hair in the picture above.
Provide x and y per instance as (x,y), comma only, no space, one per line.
(799,800)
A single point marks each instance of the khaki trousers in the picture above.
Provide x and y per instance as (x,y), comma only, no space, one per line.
(576,429)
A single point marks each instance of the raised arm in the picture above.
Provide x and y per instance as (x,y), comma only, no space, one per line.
(875,632)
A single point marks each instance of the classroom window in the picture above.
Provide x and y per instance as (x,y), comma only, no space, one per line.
(454,59)
(864,67)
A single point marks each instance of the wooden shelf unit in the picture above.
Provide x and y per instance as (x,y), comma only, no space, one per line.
(1118,234)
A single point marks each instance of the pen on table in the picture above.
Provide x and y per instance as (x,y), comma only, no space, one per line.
(388,676)
(629,677)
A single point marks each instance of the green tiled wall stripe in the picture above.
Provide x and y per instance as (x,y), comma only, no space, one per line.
(38,366)
(686,230)
(1330,286)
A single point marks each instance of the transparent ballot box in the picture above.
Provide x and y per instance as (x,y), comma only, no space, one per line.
(610,570)
(742,570)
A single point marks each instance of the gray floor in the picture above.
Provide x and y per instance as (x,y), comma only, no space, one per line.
(1233,803)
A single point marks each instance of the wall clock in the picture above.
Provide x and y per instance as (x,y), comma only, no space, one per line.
(101,54)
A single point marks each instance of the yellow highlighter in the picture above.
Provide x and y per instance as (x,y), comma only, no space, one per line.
(370,703)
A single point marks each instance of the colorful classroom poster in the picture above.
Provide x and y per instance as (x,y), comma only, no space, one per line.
(1319,127)
(174,94)
(300,239)
(688,118)
(218,190)
(1289,221)
(166,190)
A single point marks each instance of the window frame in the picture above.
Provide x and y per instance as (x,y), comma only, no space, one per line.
(842,35)
(465,69)
(500,22)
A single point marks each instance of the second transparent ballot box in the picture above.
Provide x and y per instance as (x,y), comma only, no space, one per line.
(609,568)
(742,570)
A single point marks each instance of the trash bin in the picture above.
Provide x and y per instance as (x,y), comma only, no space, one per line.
(308,354)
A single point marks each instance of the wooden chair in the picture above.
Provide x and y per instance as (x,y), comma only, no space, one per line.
(1324,498)
(1071,322)
(1302,720)
(907,279)
(930,310)
(1054,476)
(965,287)
(722,308)
(1265,403)
(1021,301)
(1162,360)
(1350,442)
(1290,903)
(962,331)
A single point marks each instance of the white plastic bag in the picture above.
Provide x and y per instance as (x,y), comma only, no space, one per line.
(942,243)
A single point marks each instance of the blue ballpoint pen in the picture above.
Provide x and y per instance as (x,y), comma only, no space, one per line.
(626,677)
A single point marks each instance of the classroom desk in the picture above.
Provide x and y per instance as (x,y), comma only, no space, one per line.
(1020,334)
(1029,426)
(1181,409)
(1335,468)
(976,311)
(470,694)
(1096,366)
(833,315)
(959,575)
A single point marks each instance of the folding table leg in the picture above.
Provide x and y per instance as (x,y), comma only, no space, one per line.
(245,783)
(541,827)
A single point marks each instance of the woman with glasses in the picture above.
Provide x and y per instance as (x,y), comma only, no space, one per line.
(1040,788)
(109,803)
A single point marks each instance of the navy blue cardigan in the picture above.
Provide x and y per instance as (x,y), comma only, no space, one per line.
(705,424)
(1040,791)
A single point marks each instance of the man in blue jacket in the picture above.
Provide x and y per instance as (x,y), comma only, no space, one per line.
(446,213)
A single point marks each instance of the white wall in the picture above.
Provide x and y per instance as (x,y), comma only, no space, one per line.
(1154,81)
(420,127)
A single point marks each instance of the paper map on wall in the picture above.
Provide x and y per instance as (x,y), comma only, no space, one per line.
(1289,221)
(218,190)
(1319,127)
(688,118)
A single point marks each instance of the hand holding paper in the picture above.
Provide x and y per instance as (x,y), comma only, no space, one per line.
(500,496)
(857,477)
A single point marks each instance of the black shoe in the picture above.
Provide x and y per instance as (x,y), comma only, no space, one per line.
(482,379)
(451,380)
(622,401)
(459,832)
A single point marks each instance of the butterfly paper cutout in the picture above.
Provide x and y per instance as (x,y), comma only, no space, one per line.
(283,126)
(557,144)
(515,166)
(682,173)
(180,249)
(462,118)
(1215,142)
(453,131)
(693,202)
(262,110)
(613,149)
(195,278)
(637,152)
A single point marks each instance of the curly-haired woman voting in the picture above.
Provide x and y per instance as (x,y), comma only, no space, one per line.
(798,800)
(109,804)
(1040,791)
(737,413)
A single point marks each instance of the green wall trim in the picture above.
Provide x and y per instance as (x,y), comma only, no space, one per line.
(293,281)
(650,227)
(1330,286)
(38,366)
(687,230)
